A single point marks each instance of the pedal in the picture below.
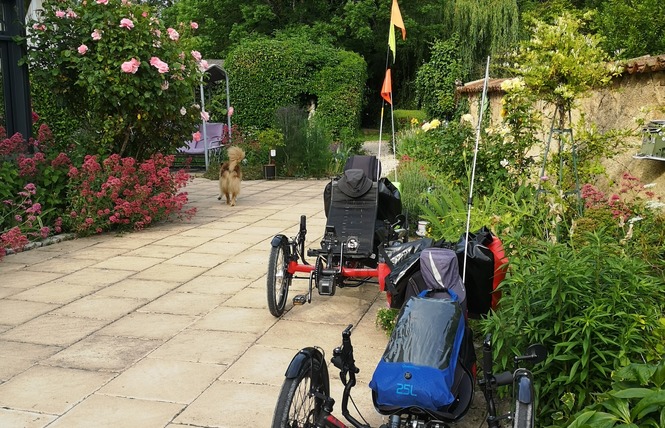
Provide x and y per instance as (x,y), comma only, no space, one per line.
(299,300)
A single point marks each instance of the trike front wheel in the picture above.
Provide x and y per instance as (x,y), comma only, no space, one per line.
(297,406)
(278,280)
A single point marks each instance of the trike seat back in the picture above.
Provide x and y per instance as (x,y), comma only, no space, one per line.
(353,215)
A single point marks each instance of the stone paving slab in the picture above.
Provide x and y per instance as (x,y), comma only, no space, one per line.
(169,326)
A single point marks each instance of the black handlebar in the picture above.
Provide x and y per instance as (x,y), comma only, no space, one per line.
(505,378)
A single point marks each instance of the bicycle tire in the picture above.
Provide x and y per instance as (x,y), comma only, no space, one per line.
(296,407)
(523,416)
(278,280)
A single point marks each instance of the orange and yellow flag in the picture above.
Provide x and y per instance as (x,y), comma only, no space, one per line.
(395,21)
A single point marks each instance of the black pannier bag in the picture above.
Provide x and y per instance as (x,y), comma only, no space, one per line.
(483,274)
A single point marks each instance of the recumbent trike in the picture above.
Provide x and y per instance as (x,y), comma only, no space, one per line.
(365,234)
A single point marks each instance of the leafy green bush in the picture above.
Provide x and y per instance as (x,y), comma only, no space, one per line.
(129,79)
(270,74)
(447,150)
(637,399)
(386,319)
(594,308)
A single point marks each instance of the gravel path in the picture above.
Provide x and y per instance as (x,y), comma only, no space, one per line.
(388,160)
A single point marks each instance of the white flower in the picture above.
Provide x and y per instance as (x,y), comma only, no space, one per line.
(504,163)
(426,126)
(654,205)
(634,219)
(183,111)
(650,185)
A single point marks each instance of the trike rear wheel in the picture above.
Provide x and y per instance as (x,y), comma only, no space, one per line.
(297,407)
(279,279)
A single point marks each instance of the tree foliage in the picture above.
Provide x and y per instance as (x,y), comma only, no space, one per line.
(639,31)
(560,61)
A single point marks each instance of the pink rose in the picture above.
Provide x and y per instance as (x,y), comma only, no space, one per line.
(130,66)
(71,14)
(102,1)
(205,116)
(126,23)
(144,14)
(83,49)
(96,35)
(173,34)
(203,65)
(160,65)
(194,25)
(196,136)
(60,14)
(231,110)
(196,55)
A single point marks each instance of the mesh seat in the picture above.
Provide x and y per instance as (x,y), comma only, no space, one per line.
(354,217)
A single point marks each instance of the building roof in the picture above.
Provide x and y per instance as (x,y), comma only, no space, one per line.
(643,64)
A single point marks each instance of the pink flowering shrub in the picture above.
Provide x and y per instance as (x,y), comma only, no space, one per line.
(632,214)
(119,63)
(33,191)
(123,193)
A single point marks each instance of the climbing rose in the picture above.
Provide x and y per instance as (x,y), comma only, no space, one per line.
(102,1)
(173,34)
(60,13)
(83,49)
(196,55)
(196,136)
(96,35)
(194,25)
(160,65)
(126,23)
(130,66)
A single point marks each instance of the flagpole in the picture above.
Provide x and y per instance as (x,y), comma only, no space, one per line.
(481,112)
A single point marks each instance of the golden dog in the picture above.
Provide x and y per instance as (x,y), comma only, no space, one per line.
(230,176)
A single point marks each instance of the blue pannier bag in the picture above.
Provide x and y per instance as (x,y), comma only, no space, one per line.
(418,366)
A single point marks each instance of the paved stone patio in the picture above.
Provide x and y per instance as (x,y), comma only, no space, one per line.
(169,327)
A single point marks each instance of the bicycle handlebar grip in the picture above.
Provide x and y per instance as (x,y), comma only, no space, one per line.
(505,378)
(303,223)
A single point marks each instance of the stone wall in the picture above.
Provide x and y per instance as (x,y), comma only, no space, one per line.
(613,107)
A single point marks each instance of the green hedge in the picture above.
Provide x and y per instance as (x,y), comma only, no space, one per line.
(268,74)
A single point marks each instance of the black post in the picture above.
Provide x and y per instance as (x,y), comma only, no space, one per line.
(16,85)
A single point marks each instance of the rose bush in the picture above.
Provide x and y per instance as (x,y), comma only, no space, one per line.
(130,80)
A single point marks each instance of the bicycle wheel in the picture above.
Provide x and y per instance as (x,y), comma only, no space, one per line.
(279,280)
(296,406)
